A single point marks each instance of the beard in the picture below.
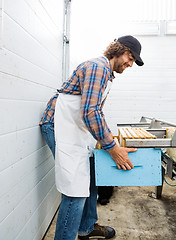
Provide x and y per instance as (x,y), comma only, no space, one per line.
(118,68)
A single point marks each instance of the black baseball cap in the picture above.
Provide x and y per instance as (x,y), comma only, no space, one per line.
(135,47)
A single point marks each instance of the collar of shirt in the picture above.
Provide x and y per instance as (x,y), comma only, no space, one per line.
(110,67)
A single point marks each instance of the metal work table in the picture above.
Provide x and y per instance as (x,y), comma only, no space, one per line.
(158,128)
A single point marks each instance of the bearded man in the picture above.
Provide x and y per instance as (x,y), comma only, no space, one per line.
(76,114)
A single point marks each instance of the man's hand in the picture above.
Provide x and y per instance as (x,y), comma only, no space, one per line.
(120,156)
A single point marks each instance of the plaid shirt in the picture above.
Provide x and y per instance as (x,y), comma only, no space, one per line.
(48,115)
(89,80)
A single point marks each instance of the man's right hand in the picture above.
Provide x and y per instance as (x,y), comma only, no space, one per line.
(120,156)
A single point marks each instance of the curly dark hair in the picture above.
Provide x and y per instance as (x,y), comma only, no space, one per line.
(115,49)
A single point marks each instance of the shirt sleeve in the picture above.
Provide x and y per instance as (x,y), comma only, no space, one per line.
(94,84)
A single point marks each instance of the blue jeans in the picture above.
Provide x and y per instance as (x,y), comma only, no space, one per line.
(76,214)
(48,134)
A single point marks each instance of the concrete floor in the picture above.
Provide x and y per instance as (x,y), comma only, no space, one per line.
(51,231)
(135,215)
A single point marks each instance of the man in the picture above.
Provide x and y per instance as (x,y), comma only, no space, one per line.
(78,120)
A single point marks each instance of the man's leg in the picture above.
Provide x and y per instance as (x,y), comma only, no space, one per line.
(48,134)
(88,229)
(89,217)
(69,217)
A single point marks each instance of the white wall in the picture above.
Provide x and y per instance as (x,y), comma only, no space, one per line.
(30,71)
(149,90)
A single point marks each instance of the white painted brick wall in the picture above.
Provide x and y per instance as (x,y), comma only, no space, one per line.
(30,72)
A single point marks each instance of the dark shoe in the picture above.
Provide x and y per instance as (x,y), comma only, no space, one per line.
(99,232)
(104,194)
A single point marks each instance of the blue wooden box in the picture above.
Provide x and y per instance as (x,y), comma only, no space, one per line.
(146,171)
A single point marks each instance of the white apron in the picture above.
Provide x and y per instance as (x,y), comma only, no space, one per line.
(73,146)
